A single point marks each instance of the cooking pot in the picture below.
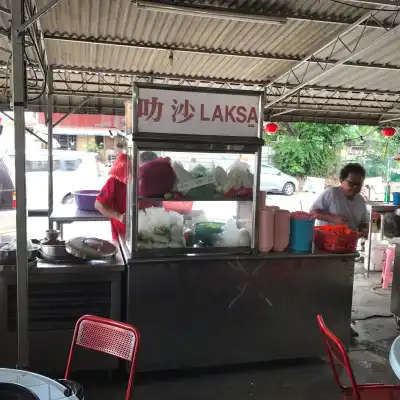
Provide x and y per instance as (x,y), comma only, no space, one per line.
(9,257)
(89,248)
(55,251)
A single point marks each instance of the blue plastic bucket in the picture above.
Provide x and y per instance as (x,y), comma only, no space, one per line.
(396,198)
(301,236)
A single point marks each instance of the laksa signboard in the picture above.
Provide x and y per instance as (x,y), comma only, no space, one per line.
(204,113)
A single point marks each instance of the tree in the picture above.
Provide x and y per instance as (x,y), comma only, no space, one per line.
(93,147)
(304,149)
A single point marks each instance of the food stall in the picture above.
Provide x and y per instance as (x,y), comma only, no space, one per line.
(199,289)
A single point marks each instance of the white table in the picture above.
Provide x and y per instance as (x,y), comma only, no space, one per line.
(69,213)
(45,388)
(394,356)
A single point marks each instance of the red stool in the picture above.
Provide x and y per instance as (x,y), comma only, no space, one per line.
(387,274)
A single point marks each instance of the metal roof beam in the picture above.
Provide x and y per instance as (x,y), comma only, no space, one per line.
(71,112)
(5,10)
(144,75)
(375,2)
(280,15)
(340,89)
(209,12)
(389,120)
(209,80)
(364,110)
(213,52)
(301,74)
(37,15)
(205,80)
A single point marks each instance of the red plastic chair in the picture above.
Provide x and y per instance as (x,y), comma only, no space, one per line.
(337,352)
(108,336)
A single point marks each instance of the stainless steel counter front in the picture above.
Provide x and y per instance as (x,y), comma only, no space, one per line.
(212,310)
(58,295)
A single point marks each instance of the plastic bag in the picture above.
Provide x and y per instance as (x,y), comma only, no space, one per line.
(158,228)
(233,237)
(206,189)
(181,174)
(240,180)
(221,179)
(156,178)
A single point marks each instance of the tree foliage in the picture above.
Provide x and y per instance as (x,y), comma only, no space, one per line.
(304,149)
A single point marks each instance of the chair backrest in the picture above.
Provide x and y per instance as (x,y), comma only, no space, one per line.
(107,336)
(337,353)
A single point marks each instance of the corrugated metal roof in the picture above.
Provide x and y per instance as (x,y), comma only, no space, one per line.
(121,21)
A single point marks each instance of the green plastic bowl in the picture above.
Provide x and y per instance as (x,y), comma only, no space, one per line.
(204,231)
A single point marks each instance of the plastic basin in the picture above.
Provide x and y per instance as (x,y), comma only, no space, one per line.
(85,199)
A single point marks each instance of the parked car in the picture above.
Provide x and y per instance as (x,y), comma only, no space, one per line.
(273,180)
(6,187)
(72,171)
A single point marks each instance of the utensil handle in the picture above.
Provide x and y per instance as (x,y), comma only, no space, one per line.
(97,247)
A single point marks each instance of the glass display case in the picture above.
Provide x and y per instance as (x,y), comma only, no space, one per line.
(190,193)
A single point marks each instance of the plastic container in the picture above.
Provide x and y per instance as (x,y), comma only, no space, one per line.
(378,255)
(396,198)
(266,230)
(262,198)
(206,231)
(336,239)
(281,230)
(180,207)
(85,199)
(301,236)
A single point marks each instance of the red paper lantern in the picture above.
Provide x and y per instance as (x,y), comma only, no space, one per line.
(388,132)
(271,128)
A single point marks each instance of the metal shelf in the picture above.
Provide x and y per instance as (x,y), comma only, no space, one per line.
(241,199)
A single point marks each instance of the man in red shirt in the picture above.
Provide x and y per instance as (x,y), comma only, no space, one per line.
(111,201)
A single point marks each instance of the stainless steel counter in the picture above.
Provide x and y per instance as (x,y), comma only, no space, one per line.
(200,311)
(68,214)
(116,264)
(58,294)
(320,255)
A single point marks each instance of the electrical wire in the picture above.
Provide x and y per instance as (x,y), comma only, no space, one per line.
(367,8)
(33,37)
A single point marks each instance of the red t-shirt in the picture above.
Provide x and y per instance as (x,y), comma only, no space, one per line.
(113,195)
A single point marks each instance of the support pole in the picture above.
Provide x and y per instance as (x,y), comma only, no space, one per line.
(18,87)
(50,141)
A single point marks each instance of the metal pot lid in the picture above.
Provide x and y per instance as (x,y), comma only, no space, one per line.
(89,248)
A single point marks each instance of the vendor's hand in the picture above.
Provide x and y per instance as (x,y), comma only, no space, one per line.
(122,218)
(338,220)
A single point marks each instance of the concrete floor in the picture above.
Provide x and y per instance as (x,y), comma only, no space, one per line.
(309,379)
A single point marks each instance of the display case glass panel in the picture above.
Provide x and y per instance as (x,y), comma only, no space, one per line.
(190,200)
